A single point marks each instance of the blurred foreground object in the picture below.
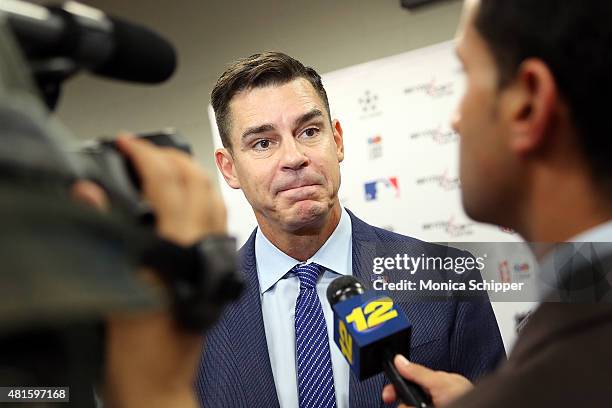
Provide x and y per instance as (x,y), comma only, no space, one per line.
(67,267)
(60,41)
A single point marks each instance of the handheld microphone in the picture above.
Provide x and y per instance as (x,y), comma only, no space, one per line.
(370,330)
(90,39)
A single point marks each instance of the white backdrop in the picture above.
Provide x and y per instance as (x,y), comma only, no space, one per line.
(401,164)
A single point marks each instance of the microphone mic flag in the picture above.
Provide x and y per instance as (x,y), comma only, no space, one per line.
(370,330)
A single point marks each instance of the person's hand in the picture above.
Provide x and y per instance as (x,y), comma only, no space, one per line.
(443,387)
(150,361)
(91,194)
(182,195)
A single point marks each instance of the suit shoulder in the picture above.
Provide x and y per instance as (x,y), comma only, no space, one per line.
(429,248)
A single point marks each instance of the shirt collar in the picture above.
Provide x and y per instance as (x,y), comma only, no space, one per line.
(335,255)
(599,233)
(596,241)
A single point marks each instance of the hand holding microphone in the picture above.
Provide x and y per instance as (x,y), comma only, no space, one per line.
(443,387)
(370,331)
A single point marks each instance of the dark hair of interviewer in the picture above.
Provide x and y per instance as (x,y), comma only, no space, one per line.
(258,71)
(574,39)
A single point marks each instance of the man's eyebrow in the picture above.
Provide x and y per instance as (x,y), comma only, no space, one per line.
(256,130)
(307,117)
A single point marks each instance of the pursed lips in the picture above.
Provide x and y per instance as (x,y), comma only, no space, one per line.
(291,187)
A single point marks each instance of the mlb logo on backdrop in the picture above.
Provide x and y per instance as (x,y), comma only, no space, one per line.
(375,147)
(384,187)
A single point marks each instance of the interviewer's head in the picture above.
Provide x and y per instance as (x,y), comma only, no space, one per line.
(534,117)
(281,147)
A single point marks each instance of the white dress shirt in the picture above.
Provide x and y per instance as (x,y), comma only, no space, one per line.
(279,291)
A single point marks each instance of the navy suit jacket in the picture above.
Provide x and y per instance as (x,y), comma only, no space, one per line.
(451,334)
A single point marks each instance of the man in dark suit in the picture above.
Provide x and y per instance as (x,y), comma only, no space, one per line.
(273,347)
(535,156)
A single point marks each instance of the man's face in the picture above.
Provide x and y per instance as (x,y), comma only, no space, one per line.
(285,154)
(485,165)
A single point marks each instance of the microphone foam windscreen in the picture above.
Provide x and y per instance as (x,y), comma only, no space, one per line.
(140,55)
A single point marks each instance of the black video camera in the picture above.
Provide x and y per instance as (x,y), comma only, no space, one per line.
(202,278)
(65,266)
(105,165)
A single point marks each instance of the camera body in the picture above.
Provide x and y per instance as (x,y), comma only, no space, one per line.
(107,166)
(66,267)
(41,158)
(201,278)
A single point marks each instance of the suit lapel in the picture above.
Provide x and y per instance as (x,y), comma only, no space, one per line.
(365,241)
(252,358)
(364,393)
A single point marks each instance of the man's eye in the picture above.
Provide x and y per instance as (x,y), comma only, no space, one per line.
(310,132)
(262,144)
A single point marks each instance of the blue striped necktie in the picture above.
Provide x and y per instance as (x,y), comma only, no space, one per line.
(314,368)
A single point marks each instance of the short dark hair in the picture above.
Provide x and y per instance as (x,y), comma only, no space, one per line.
(258,70)
(574,39)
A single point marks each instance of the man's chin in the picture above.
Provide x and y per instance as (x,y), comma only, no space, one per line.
(305,215)
(471,207)
(480,210)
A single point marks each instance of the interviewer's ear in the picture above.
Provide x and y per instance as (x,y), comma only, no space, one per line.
(225,164)
(531,100)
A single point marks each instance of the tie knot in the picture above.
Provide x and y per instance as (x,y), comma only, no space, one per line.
(308,274)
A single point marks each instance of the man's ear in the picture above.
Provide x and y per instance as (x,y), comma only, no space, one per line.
(225,164)
(533,100)
(338,139)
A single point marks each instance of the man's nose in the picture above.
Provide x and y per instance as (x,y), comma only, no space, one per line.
(293,156)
